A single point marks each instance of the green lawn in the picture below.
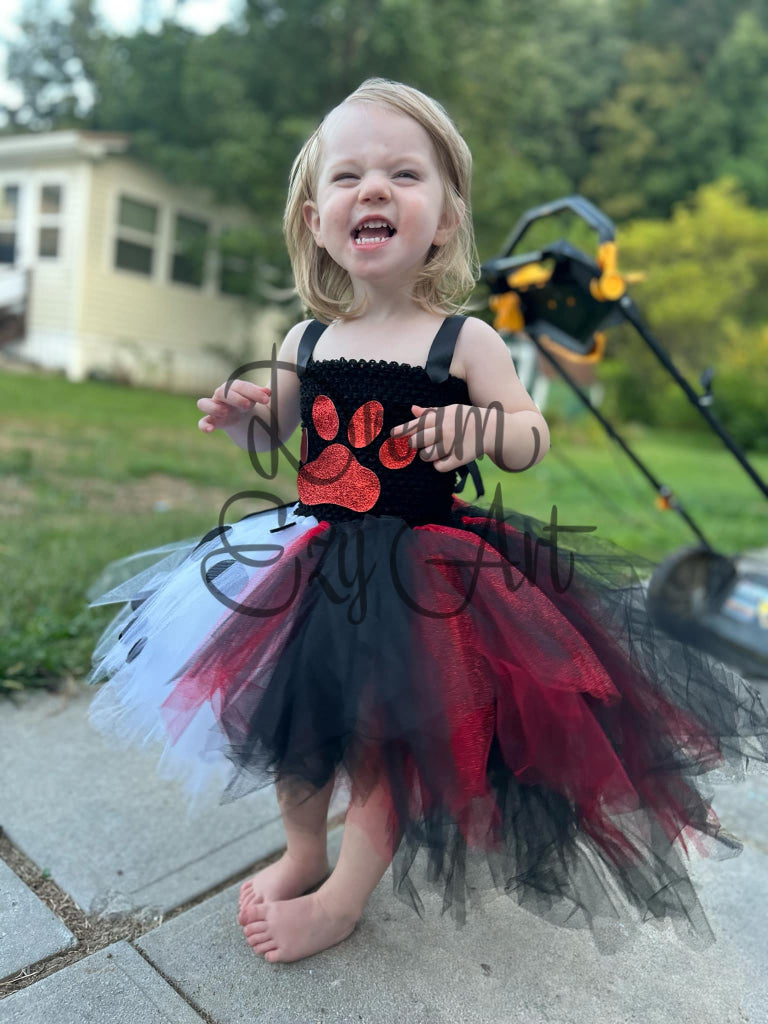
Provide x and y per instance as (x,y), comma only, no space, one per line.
(592,482)
(92,472)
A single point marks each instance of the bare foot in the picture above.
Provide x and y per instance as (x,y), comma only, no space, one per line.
(292,929)
(283,880)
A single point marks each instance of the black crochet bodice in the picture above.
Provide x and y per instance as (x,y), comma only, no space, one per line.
(350,466)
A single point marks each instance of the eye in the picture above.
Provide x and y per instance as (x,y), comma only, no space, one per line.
(408,174)
(344,174)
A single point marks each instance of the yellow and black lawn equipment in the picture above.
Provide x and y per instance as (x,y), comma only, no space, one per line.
(564,300)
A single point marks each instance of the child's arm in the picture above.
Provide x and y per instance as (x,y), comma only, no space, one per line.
(234,404)
(518,437)
(502,422)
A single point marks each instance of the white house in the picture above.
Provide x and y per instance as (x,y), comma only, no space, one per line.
(107,268)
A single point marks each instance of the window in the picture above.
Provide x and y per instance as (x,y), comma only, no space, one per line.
(9,212)
(136,236)
(49,232)
(237,262)
(236,274)
(190,244)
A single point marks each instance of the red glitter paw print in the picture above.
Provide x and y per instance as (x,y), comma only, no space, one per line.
(336,477)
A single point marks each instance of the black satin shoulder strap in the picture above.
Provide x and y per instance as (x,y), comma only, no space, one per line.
(441,352)
(438,365)
(308,341)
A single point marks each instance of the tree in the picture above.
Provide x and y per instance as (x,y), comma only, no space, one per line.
(738,77)
(696,27)
(47,65)
(660,136)
(703,298)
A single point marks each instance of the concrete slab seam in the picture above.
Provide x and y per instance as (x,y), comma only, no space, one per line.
(78,922)
(175,986)
(212,852)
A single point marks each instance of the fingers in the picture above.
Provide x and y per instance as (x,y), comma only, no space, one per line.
(242,394)
(212,407)
(217,414)
(236,396)
(425,440)
(425,433)
(419,423)
(434,451)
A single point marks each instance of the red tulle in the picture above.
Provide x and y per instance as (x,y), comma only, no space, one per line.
(569,710)
(264,633)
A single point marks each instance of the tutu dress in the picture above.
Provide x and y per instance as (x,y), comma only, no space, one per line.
(537,735)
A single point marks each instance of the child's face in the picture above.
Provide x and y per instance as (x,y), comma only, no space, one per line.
(377,165)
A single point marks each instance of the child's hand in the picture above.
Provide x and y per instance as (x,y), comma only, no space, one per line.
(449,436)
(230,403)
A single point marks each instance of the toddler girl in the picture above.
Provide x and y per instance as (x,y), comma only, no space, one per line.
(486,689)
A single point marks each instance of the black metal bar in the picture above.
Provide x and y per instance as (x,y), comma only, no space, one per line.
(577,204)
(661,488)
(632,314)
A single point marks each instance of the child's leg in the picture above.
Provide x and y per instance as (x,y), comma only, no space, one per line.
(305,862)
(292,929)
(367,849)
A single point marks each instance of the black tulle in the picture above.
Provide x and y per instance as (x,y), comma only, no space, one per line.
(533,732)
(473,720)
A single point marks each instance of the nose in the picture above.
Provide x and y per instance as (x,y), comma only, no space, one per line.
(375,187)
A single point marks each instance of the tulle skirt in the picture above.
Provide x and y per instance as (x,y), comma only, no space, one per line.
(534,734)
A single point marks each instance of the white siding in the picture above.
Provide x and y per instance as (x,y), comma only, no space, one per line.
(150,329)
(53,307)
(85,315)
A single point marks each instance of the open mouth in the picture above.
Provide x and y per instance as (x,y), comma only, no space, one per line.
(370,232)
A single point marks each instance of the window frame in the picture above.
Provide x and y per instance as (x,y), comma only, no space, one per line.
(13,225)
(177,212)
(50,220)
(221,261)
(136,236)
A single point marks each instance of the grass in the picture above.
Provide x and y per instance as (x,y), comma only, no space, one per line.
(592,482)
(92,472)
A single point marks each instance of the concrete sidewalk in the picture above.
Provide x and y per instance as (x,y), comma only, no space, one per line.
(117,841)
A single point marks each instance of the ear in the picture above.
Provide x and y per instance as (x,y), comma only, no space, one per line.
(312,220)
(449,222)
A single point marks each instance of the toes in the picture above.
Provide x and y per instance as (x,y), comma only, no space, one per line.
(250,912)
(268,946)
(256,931)
(255,927)
(272,957)
(251,894)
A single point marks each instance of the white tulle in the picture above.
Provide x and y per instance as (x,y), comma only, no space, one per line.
(176,613)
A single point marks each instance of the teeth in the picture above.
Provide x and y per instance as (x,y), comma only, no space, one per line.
(374,224)
(369,241)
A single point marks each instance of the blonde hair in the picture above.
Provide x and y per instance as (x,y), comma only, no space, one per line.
(449,272)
